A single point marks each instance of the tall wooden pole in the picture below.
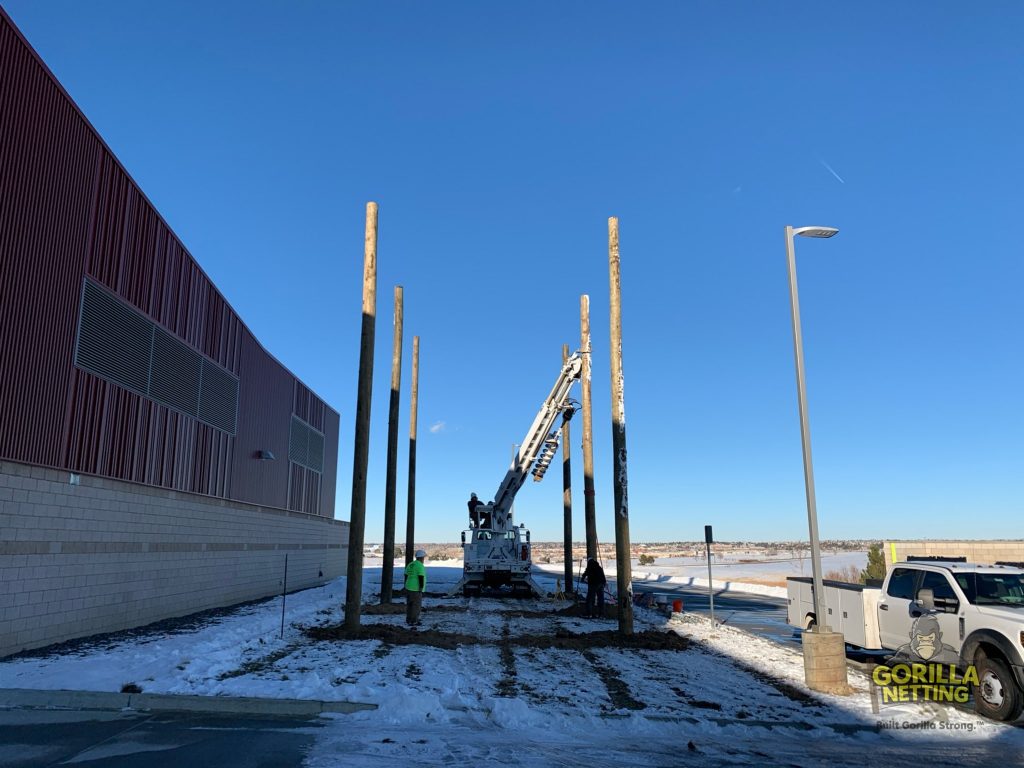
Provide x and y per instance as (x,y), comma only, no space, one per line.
(623,564)
(589,515)
(388,573)
(410,516)
(361,454)
(566,494)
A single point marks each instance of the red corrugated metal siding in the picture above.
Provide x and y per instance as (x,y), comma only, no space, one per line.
(260,384)
(47,169)
(67,208)
(309,407)
(134,254)
(307,487)
(328,484)
(118,433)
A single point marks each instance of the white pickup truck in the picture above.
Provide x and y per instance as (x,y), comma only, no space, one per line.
(935,611)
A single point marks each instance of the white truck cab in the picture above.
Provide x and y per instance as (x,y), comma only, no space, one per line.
(497,558)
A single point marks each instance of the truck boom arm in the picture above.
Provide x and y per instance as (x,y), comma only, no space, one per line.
(541,440)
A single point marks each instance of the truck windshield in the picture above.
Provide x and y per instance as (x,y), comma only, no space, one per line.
(997,589)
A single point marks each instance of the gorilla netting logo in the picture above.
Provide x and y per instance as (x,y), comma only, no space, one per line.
(925,669)
(926,643)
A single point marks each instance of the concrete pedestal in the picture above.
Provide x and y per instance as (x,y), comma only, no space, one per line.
(825,662)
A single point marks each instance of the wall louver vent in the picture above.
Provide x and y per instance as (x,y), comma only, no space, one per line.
(218,398)
(114,341)
(174,380)
(316,450)
(118,343)
(306,445)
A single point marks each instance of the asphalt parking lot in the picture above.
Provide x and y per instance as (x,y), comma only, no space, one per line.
(31,738)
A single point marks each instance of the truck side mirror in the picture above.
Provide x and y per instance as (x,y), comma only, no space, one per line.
(463,538)
(926,597)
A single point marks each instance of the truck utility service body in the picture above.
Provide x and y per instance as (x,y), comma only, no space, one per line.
(978,610)
(498,553)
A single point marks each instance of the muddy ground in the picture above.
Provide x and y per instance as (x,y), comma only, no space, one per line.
(650,640)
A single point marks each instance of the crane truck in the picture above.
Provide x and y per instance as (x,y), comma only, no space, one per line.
(496,552)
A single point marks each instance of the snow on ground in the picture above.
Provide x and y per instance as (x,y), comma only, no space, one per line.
(678,572)
(673,578)
(730,698)
(732,568)
(649,577)
(731,572)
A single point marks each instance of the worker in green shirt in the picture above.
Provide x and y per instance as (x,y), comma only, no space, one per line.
(415,583)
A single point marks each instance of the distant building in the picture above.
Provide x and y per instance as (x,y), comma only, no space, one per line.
(976,551)
(155,460)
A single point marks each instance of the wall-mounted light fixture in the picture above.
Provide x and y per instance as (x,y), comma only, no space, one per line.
(264,455)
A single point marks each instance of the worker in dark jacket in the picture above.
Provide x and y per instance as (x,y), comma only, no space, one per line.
(415,583)
(594,577)
(473,503)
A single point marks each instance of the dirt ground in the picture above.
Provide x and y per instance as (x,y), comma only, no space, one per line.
(398,609)
(653,640)
(392,635)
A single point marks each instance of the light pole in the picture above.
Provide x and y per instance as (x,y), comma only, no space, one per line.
(805,432)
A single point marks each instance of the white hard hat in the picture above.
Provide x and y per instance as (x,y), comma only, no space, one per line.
(420,553)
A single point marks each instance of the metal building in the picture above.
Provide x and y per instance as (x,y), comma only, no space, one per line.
(133,399)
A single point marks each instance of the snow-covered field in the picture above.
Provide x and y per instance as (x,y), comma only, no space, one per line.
(509,694)
(729,572)
(732,567)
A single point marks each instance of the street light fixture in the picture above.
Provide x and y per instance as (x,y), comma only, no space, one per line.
(805,434)
(820,232)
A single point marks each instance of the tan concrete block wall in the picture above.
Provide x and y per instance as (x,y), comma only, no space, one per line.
(1005,550)
(105,555)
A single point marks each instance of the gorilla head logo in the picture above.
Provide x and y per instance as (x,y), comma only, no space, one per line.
(926,637)
(926,643)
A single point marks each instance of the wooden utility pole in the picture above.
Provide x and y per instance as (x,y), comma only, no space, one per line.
(589,515)
(410,515)
(566,493)
(361,454)
(387,575)
(623,564)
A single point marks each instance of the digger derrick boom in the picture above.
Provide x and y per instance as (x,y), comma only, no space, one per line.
(498,552)
(541,440)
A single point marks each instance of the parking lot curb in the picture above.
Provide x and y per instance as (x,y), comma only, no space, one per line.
(26,698)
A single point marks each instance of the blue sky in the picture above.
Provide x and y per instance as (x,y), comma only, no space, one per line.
(498,138)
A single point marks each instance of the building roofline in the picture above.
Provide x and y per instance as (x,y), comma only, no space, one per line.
(56,81)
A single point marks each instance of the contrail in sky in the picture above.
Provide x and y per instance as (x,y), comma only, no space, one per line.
(831,170)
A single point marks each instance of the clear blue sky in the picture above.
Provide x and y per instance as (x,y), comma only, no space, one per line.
(498,138)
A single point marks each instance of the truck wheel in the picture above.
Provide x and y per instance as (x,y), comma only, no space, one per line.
(996,696)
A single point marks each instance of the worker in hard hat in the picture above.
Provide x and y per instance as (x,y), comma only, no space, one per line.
(415,583)
(474,516)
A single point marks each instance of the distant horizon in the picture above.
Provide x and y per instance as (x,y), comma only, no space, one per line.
(695,542)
